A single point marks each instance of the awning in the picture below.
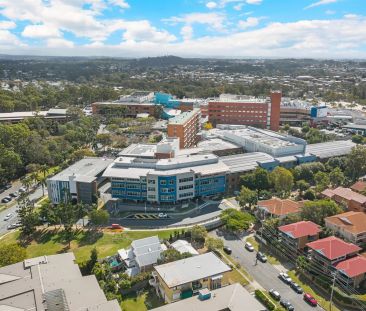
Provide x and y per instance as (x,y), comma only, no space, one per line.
(186,294)
(216,277)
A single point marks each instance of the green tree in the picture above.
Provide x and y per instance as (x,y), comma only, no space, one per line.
(302,185)
(27,216)
(214,244)
(356,162)
(309,195)
(316,211)
(358,139)
(171,255)
(336,177)
(235,220)
(198,233)
(247,197)
(11,253)
(321,181)
(282,180)
(257,180)
(99,217)
(67,215)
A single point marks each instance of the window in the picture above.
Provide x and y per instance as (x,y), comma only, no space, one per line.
(185,179)
(151,189)
(185,187)
(151,181)
(163,182)
(171,182)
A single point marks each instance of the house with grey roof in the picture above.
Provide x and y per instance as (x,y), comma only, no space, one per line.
(51,283)
(142,255)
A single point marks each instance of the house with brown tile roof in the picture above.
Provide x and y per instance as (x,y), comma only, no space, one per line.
(353,200)
(359,186)
(350,226)
(279,208)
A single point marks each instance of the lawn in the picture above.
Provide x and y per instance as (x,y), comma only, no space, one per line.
(52,242)
(141,302)
(235,276)
(272,260)
(325,304)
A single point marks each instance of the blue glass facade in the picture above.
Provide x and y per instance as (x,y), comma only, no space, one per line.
(129,190)
(210,185)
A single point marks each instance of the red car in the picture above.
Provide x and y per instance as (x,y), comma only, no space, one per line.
(310,300)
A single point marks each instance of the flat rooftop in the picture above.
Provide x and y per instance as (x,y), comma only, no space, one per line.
(233,297)
(87,167)
(122,103)
(330,149)
(245,162)
(139,150)
(191,269)
(184,116)
(215,144)
(51,283)
(233,98)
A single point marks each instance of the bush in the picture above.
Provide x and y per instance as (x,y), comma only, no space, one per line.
(265,300)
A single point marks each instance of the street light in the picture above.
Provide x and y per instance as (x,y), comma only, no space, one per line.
(331,293)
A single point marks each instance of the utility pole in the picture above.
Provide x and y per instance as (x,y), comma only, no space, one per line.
(331,293)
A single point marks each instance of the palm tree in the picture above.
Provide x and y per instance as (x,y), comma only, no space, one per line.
(34,177)
(44,169)
(27,182)
(42,180)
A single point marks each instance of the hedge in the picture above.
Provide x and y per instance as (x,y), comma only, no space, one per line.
(265,300)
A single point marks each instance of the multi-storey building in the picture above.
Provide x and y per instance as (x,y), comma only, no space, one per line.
(326,253)
(350,226)
(245,110)
(166,180)
(185,127)
(183,278)
(352,200)
(298,234)
(78,182)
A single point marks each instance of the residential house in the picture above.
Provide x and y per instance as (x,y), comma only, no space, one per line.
(326,253)
(279,208)
(352,271)
(142,255)
(352,200)
(51,283)
(183,278)
(232,297)
(298,234)
(359,186)
(350,226)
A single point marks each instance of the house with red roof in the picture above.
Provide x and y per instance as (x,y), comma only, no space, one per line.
(353,200)
(359,186)
(298,234)
(352,271)
(326,253)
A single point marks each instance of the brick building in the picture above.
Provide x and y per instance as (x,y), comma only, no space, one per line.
(245,110)
(353,200)
(186,127)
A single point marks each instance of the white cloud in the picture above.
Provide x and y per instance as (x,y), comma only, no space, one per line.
(59,43)
(121,3)
(9,41)
(249,22)
(330,12)
(321,2)
(7,25)
(40,31)
(254,1)
(238,7)
(211,5)
(214,20)
(187,32)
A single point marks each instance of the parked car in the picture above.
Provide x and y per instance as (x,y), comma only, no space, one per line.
(296,287)
(14,194)
(227,250)
(22,189)
(249,247)
(310,300)
(7,217)
(7,186)
(284,277)
(275,294)
(287,305)
(261,257)
(7,199)
(12,226)
(163,215)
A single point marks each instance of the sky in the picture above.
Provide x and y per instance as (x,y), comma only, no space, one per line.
(187,28)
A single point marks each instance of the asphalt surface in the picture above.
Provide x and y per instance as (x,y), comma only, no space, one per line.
(265,274)
(37,194)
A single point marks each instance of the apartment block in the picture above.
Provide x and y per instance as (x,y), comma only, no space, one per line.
(352,200)
(350,226)
(246,110)
(185,127)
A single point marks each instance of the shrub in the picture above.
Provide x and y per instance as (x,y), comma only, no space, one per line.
(265,300)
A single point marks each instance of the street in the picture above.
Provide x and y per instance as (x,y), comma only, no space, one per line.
(264,273)
(37,194)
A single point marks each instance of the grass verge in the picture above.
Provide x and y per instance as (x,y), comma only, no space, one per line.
(272,260)
(49,242)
